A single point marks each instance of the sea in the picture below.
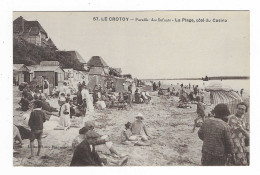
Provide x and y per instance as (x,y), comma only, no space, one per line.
(235,84)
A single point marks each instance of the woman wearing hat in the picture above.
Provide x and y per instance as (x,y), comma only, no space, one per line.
(216,136)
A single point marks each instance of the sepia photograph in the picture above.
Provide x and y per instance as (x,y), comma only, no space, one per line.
(131,88)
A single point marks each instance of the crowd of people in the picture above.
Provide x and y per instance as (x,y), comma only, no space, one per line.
(225,136)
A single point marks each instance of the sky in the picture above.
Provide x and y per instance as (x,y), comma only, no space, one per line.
(150,49)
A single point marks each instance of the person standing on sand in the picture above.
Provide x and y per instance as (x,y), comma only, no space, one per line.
(240,134)
(65,115)
(241,92)
(159,84)
(216,137)
(36,120)
(138,127)
(200,112)
(195,90)
(46,88)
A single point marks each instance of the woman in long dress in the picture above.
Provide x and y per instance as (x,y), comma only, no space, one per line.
(65,115)
(87,98)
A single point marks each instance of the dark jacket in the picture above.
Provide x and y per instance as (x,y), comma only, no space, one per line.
(216,137)
(83,156)
(37,118)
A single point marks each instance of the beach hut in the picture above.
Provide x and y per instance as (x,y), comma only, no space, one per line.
(54,74)
(118,82)
(220,93)
(21,73)
(98,71)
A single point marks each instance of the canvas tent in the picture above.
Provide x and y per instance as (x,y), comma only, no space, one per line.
(220,93)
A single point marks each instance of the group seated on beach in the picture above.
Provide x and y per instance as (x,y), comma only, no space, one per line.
(93,149)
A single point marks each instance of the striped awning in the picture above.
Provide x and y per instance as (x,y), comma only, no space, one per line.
(223,94)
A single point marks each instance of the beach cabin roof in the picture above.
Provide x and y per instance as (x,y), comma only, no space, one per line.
(96,71)
(48,69)
(32,68)
(49,63)
(20,67)
(97,61)
(68,70)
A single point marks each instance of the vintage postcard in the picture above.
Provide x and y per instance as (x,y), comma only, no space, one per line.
(139,88)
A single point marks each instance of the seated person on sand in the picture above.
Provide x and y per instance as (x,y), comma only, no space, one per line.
(107,100)
(112,99)
(55,92)
(127,138)
(146,98)
(121,101)
(104,148)
(138,98)
(83,157)
(138,128)
(24,102)
(160,92)
(100,104)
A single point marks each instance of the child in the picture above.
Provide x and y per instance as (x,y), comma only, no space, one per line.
(36,120)
(127,136)
(200,112)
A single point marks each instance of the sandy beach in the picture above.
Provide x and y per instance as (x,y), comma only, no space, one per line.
(170,128)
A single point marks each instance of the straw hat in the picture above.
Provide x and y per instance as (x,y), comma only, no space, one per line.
(140,116)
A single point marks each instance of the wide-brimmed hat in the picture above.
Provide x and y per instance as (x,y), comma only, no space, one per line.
(140,116)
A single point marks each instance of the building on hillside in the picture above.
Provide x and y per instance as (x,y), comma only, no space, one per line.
(32,32)
(51,44)
(20,74)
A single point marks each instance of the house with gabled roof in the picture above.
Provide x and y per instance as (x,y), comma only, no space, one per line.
(97,66)
(32,32)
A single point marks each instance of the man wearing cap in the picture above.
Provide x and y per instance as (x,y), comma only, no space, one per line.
(93,136)
(138,128)
(216,136)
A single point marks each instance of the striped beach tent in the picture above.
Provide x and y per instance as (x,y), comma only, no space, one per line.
(220,93)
